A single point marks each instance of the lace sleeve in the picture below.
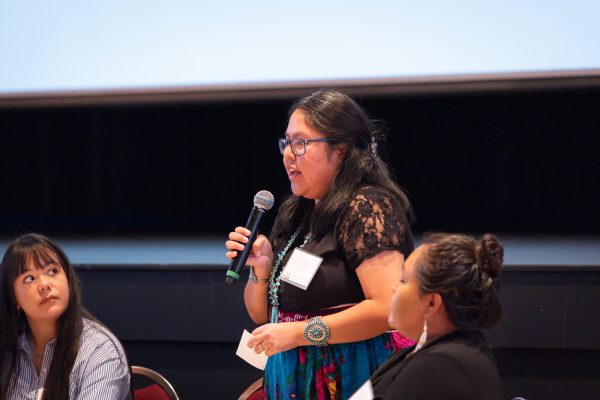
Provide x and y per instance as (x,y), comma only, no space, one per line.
(375,221)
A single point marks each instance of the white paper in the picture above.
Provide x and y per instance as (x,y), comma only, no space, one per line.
(246,353)
(301,268)
(365,392)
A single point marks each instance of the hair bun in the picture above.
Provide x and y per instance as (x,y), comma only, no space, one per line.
(490,255)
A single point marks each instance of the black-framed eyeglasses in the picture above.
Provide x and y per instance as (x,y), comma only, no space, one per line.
(298,145)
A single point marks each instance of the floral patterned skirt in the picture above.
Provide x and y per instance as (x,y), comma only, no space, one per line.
(333,372)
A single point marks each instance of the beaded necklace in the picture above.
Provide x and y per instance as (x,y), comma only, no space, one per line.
(274,279)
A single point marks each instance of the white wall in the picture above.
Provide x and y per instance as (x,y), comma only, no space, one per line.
(77,44)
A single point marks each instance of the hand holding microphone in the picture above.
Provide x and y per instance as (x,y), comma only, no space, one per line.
(240,245)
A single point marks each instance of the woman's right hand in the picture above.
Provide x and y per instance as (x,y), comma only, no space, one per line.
(261,256)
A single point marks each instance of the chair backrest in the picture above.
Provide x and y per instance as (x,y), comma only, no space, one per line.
(161,389)
(253,392)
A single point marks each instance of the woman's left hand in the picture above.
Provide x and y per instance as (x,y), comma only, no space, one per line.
(275,338)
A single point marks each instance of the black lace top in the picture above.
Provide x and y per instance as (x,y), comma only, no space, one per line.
(375,221)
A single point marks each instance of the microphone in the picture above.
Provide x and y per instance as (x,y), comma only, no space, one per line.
(263,201)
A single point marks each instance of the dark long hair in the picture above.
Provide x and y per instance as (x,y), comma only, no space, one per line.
(39,250)
(466,273)
(337,116)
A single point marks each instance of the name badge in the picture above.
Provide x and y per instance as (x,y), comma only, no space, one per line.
(301,268)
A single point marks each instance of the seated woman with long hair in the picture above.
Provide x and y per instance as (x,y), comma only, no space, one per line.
(50,347)
(448,293)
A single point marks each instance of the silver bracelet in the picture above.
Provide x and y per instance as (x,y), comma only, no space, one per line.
(316,332)
(256,279)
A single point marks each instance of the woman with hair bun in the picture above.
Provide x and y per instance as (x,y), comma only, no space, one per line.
(448,292)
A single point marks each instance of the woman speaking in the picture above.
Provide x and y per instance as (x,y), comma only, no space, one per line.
(339,239)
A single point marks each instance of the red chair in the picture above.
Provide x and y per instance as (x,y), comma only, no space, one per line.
(159,389)
(254,391)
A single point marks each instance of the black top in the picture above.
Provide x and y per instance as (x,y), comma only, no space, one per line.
(375,221)
(457,366)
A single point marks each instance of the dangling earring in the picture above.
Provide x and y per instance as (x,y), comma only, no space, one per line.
(18,312)
(423,337)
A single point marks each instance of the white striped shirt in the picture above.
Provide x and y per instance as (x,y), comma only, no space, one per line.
(100,371)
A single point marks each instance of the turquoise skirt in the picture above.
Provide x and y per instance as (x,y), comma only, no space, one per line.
(333,372)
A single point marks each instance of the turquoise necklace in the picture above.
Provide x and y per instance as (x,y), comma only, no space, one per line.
(274,280)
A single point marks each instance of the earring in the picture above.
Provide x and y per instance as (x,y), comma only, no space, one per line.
(423,337)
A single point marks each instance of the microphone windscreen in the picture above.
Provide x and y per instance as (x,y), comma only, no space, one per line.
(264,200)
